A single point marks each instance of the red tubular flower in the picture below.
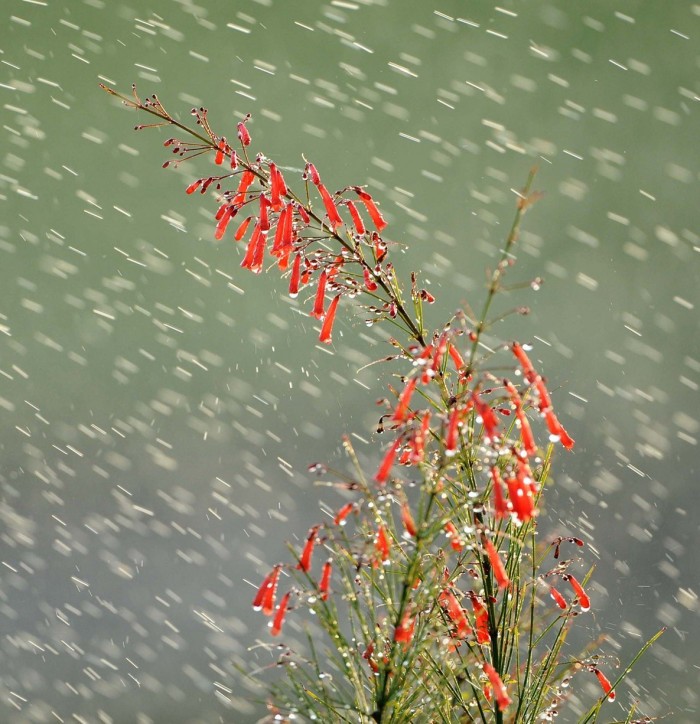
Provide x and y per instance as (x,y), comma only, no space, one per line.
(356,218)
(521,499)
(277,622)
(318,310)
(247,178)
(229,213)
(381,543)
(407,520)
(324,584)
(372,210)
(312,174)
(453,534)
(243,134)
(481,619)
(404,400)
(605,683)
(584,601)
(193,186)
(452,434)
(457,358)
(439,354)
(524,360)
(528,439)
(264,216)
(327,327)
(418,439)
(455,612)
(265,597)
(334,219)
(500,506)
(558,598)
(488,418)
(219,158)
(278,188)
(241,230)
(403,633)
(283,232)
(385,468)
(305,558)
(497,566)
(557,429)
(499,689)
(251,249)
(370,284)
(294,279)
(343,513)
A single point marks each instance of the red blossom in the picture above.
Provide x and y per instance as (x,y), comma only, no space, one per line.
(524,360)
(278,188)
(404,631)
(282,609)
(497,566)
(605,684)
(370,284)
(228,214)
(385,468)
(453,534)
(243,227)
(452,434)
(381,543)
(419,438)
(311,173)
(407,519)
(528,439)
(499,688)
(243,133)
(488,418)
(305,558)
(294,278)
(457,359)
(356,218)
(324,583)
(219,158)
(481,620)
(247,178)
(193,186)
(265,597)
(372,210)
(404,400)
(318,310)
(500,505)
(264,216)
(334,219)
(327,327)
(455,612)
(584,601)
(343,513)
(521,499)
(558,598)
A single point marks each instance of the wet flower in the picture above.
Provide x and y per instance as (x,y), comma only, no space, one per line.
(404,631)
(243,133)
(281,612)
(500,506)
(318,310)
(305,558)
(374,213)
(324,583)
(584,601)
(294,278)
(334,219)
(605,684)
(385,468)
(265,597)
(343,513)
(407,519)
(356,218)
(558,598)
(381,543)
(278,188)
(327,327)
(499,689)
(453,534)
(455,613)
(497,566)
(404,400)
(481,620)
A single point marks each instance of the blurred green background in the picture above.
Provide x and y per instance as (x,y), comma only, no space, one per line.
(159,407)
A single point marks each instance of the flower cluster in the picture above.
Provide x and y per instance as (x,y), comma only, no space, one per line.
(430,593)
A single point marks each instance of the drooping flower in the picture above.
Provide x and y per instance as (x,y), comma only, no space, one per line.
(305,558)
(318,310)
(219,158)
(584,601)
(356,218)
(558,598)
(243,133)
(453,534)
(455,613)
(605,684)
(497,566)
(282,609)
(500,506)
(404,400)
(325,581)
(265,597)
(193,186)
(385,468)
(452,434)
(228,213)
(374,213)
(334,219)
(407,519)
(278,188)
(418,439)
(327,327)
(528,439)
(524,360)
(481,620)
(294,278)
(381,544)
(343,513)
(242,228)
(488,418)
(403,633)
(499,689)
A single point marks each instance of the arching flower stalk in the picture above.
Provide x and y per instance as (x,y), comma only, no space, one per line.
(435,600)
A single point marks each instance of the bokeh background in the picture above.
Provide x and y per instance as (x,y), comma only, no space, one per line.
(159,407)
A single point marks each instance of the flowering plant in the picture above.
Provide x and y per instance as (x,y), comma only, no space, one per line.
(437,598)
